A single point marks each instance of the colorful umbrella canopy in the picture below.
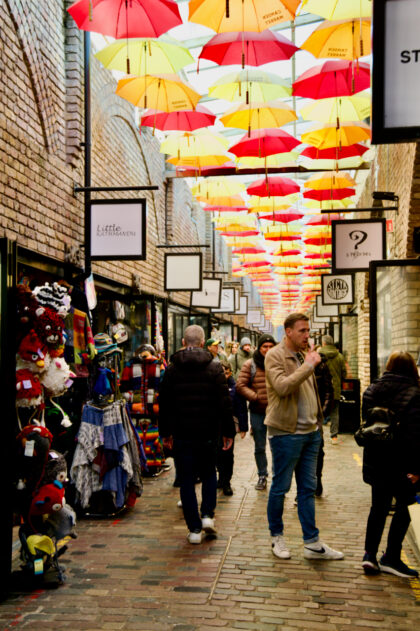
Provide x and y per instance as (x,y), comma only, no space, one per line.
(224,16)
(264,142)
(247,48)
(282,217)
(346,39)
(338,9)
(250,85)
(259,116)
(200,143)
(164,92)
(121,19)
(225,209)
(336,193)
(332,79)
(326,180)
(144,56)
(278,186)
(334,153)
(327,135)
(199,162)
(342,108)
(183,120)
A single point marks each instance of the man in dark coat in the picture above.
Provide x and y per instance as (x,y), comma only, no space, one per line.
(195,410)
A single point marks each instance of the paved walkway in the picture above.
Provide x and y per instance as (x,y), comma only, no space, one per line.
(139,572)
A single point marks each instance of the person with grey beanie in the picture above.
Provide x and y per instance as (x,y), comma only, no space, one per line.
(237,360)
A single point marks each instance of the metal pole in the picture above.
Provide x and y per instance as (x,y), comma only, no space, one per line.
(88,154)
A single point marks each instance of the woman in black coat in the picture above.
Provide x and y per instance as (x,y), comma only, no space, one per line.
(392,468)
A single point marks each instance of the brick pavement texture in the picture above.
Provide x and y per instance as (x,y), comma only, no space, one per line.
(138,572)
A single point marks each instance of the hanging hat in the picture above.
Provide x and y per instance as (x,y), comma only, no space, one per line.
(119,333)
(104,344)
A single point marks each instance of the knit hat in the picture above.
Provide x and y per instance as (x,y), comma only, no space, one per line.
(211,342)
(104,344)
(265,338)
(146,348)
(244,342)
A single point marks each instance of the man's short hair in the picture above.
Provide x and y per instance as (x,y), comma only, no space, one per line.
(193,335)
(327,340)
(292,318)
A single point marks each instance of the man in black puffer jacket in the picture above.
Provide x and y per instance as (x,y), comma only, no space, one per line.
(194,410)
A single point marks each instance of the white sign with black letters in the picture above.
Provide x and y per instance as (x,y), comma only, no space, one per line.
(227,301)
(118,229)
(357,242)
(337,289)
(210,294)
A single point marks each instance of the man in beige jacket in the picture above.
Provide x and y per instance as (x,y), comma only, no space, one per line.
(294,419)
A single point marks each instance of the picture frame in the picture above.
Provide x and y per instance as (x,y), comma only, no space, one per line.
(243,306)
(210,294)
(337,289)
(227,301)
(325,310)
(357,242)
(183,272)
(253,317)
(117,229)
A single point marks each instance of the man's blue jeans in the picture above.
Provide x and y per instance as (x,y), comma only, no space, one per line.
(298,453)
(196,459)
(259,434)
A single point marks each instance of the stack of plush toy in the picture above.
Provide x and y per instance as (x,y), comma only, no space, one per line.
(41,374)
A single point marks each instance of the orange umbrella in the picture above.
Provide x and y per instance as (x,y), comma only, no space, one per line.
(225,16)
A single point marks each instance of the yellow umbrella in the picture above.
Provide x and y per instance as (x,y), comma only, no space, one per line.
(329,204)
(229,201)
(269,204)
(344,163)
(200,143)
(344,108)
(218,187)
(346,39)
(250,85)
(144,56)
(337,9)
(326,181)
(224,16)
(327,136)
(259,115)
(199,162)
(276,160)
(239,218)
(164,92)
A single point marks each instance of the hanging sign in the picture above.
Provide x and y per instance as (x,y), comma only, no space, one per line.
(210,294)
(253,317)
(395,71)
(117,229)
(325,310)
(337,289)
(357,242)
(227,301)
(183,272)
(243,306)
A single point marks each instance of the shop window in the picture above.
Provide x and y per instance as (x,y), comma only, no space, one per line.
(349,344)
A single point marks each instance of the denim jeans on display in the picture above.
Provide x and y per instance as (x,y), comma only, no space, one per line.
(259,434)
(294,453)
(196,459)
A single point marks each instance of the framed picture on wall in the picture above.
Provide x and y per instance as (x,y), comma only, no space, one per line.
(254,317)
(227,301)
(210,294)
(183,272)
(117,229)
(337,289)
(243,306)
(357,242)
(325,310)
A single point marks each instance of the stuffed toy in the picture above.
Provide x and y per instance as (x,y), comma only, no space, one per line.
(29,391)
(49,327)
(61,523)
(55,468)
(26,305)
(57,378)
(32,354)
(54,296)
(33,445)
(47,499)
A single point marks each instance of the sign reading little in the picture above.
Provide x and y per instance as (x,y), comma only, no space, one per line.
(118,229)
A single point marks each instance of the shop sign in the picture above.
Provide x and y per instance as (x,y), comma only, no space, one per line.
(183,272)
(325,310)
(227,302)
(243,306)
(254,317)
(395,71)
(118,229)
(357,242)
(210,294)
(337,289)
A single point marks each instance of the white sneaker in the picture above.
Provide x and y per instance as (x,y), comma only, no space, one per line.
(195,537)
(208,525)
(279,547)
(320,550)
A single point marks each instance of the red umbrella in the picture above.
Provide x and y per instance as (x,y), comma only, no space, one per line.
(225,209)
(248,251)
(264,142)
(256,264)
(286,237)
(335,193)
(183,120)
(333,78)
(286,253)
(318,241)
(247,47)
(126,18)
(323,220)
(319,255)
(273,186)
(334,153)
(242,233)
(282,217)
(194,171)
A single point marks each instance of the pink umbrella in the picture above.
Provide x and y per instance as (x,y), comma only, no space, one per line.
(333,78)
(264,142)
(247,48)
(273,186)
(183,120)
(282,217)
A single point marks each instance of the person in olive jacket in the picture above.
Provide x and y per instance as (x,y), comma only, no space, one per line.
(337,367)
(237,359)
(251,385)
(392,468)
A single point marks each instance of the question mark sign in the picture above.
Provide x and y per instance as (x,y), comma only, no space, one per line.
(359,236)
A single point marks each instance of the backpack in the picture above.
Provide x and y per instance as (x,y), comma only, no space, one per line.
(380,427)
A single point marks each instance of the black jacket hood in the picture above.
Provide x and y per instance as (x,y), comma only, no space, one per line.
(192,358)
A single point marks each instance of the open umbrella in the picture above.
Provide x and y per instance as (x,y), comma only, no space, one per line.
(183,120)
(278,186)
(335,193)
(250,85)
(332,79)
(326,136)
(346,39)
(241,15)
(165,92)
(334,153)
(126,18)
(342,108)
(259,204)
(327,180)
(322,220)
(220,187)
(258,116)
(337,9)
(225,209)
(264,142)
(276,160)
(198,163)
(200,143)
(144,56)
(330,165)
